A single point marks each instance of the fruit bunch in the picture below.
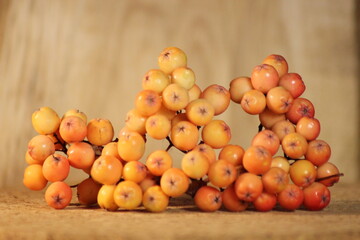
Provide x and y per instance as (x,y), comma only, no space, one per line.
(286,163)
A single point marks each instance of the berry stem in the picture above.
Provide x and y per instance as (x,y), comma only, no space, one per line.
(331,176)
(63,145)
(194,186)
(170,144)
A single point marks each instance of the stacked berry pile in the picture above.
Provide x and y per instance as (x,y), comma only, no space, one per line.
(286,163)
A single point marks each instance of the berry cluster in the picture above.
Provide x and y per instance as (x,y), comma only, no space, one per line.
(172,107)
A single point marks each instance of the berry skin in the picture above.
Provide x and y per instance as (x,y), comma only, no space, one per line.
(155,200)
(171,58)
(58,195)
(34,178)
(248,187)
(100,131)
(218,97)
(45,120)
(73,129)
(291,197)
(56,167)
(264,77)
(208,199)
(231,202)
(216,134)
(105,198)
(174,182)
(278,62)
(316,196)
(106,169)
(40,147)
(128,195)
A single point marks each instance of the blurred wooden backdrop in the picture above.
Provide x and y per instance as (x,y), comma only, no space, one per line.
(92,54)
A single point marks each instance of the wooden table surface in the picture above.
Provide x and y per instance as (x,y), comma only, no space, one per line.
(25,215)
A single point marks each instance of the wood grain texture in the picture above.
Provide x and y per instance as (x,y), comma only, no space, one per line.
(91,55)
(19,208)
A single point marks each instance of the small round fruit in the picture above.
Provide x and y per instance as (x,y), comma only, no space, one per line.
(56,167)
(302,173)
(135,121)
(283,128)
(87,192)
(231,202)
(106,170)
(34,178)
(316,196)
(280,162)
(158,126)
(264,77)
(318,152)
(216,133)
(275,180)
(278,62)
(58,195)
(111,149)
(174,182)
(81,155)
(267,139)
(183,76)
(155,80)
(294,145)
(293,83)
(248,187)
(77,113)
(158,162)
(171,58)
(40,147)
(222,173)
(253,102)
(308,127)
(265,202)
(257,160)
(291,197)
(195,165)
(72,129)
(208,199)
(200,112)
(238,87)
(155,200)
(279,100)
(29,160)
(100,131)
(128,195)
(45,120)
(131,145)
(301,107)
(184,135)
(233,154)
(175,97)
(327,174)
(218,97)
(194,93)
(134,171)
(105,197)
(206,150)
(147,102)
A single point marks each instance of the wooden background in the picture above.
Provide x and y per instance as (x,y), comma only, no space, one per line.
(91,55)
